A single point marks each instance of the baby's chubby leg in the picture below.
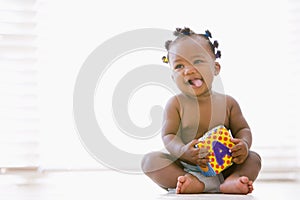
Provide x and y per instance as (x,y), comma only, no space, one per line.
(168,172)
(163,169)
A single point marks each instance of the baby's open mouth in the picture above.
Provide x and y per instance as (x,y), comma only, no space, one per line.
(195,82)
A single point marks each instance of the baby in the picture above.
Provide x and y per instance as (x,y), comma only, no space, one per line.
(193,112)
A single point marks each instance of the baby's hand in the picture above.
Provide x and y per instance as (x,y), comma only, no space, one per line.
(204,157)
(193,155)
(240,151)
(189,153)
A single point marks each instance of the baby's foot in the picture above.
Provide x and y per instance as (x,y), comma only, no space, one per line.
(189,184)
(241,185)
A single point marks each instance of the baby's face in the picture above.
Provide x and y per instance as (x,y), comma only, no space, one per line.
(193,65)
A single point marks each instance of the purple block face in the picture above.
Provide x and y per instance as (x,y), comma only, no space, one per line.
(220,151)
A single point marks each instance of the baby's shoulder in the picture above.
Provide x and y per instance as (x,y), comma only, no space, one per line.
(177,101)
(173,101)
(176,98)
(228,98)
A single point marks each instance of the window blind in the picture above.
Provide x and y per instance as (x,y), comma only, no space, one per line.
(19,116)
(280,152)
(62,34)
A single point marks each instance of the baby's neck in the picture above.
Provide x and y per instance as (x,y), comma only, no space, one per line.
(203,97)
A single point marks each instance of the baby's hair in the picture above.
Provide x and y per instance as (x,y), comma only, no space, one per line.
(185,32)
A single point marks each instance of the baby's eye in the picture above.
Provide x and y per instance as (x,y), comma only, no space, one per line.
(179,66)
(197,62)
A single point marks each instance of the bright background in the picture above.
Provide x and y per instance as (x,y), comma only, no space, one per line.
(259,45)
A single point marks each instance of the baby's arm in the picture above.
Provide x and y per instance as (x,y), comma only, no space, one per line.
(240,131)
(172,142)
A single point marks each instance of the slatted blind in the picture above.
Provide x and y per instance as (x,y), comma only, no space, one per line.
(281,151)
(294,43)
(19,114)
(19,117)
(65,33)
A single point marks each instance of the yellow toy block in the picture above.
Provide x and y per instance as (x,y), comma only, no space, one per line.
(217,141)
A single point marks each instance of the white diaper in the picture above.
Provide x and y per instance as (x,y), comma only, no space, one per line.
(212,183)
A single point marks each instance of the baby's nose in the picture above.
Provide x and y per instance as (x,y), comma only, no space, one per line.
(190,69)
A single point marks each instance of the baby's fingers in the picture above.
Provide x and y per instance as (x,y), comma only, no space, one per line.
(235,160)
(203,162)
(236,154)
(194,143)
(238,160)
(235,140)
(203,154)
(235,148)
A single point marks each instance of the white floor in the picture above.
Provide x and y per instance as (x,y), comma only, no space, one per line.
(115,185)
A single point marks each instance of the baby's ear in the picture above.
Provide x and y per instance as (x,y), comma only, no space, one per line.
(217,68)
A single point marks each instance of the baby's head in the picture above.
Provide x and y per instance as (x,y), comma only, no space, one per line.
(192,58)
(211,47)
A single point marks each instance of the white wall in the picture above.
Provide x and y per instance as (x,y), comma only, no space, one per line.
(257,68)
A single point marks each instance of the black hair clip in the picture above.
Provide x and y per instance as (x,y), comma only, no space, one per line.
(216,44)
(186,31)
(208,34)
(218,54)
(165,59)
(178,30)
